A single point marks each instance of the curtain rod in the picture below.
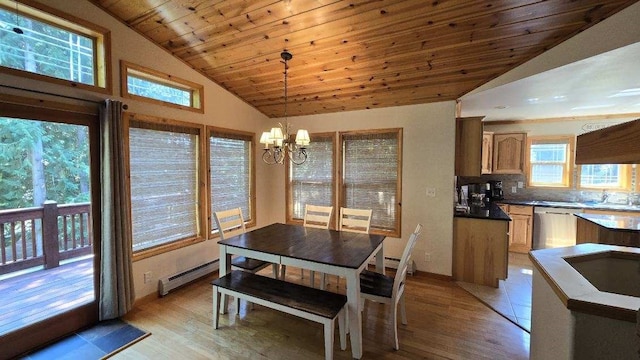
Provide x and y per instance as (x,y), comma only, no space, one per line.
(58,95)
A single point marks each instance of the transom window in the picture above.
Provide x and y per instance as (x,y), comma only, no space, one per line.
(153,86)
(231,173)
(550,161)
(53,47)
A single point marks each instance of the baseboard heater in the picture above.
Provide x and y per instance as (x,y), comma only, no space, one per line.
(172,282)
(393,263)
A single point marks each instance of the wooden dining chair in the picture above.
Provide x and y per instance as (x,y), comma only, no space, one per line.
(355,220)
(319,217)
(231,223)
(390,290)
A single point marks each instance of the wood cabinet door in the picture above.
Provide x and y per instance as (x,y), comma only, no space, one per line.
(468,160)
(487,152)
(520,239)
(508,153)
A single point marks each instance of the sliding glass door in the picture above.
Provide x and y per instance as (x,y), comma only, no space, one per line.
(49,230)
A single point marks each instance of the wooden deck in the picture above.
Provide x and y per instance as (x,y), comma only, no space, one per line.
(29,298)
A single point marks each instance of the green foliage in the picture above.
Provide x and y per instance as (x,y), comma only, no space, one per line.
(65,158)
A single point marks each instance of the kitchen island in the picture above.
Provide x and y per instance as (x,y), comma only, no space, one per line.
(481,245)
(608,229)
(582,308)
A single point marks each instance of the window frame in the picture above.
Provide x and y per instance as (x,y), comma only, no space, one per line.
(289,191)
(397,231)
(234,134)
(624,183)
(201,211)
(101,38)
(568,169)
(160,78)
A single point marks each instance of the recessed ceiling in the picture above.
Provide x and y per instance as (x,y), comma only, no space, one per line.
(359,54)
(605,84)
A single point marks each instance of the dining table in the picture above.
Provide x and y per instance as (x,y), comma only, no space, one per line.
(340,253)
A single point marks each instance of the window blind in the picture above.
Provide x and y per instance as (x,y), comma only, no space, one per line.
(371,168)
(312,182)
(164,186)
(230,175)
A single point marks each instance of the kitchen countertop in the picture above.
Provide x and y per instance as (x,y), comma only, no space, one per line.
(574,205)
(490,212)
(614,222)
(575,291)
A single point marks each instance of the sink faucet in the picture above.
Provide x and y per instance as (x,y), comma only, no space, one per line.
(604,197)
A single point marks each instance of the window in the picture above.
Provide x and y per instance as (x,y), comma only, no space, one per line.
(605,176)
(153,86)
(231,173)
(371,176)
(53,47)
(164,178)
(313,181)
(550,161)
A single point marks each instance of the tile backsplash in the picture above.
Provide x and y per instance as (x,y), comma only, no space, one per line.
(570,195)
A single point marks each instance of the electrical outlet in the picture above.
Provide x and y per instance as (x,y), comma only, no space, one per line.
(520,184)
(147,277)
(431,192)
(514,189)
(427,257)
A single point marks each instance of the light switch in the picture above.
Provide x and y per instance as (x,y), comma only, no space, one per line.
(520,184)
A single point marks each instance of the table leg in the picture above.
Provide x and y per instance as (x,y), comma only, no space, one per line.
(380,260)
(355,316)
(224,269)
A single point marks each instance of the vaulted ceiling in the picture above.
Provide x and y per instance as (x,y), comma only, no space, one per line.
(357,54)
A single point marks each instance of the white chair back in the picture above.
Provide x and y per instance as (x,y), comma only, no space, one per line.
(401,274)
(317,216)
(230,223)
(355,220)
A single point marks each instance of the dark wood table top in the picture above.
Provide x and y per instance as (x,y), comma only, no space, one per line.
(331,247)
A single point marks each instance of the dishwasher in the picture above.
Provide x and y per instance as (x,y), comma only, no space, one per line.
(554,227)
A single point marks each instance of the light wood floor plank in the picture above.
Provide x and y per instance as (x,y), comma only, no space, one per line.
(445,322)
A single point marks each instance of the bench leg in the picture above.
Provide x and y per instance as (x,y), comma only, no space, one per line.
(328,339)
(216,307)
(276,275)
(342,328)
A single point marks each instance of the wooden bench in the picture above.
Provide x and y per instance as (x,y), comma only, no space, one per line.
(306,302)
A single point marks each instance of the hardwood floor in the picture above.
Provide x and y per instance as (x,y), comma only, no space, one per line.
(445,322)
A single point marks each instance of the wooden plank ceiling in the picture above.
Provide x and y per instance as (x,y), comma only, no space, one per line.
(357,54)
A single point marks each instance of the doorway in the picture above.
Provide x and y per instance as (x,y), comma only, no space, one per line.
(49,224)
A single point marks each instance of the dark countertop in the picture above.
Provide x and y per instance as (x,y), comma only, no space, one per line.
(491,212)
(574,205)
(614,222)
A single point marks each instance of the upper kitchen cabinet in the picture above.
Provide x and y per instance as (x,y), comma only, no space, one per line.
(487,152)
(508,153)
(468,146)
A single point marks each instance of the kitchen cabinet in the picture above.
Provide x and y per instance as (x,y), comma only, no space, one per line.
(509,153)
(612,229)
(480,250)
(520,227)
(487,152)
(468,146)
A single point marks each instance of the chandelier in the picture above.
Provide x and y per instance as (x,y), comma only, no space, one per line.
(278,142)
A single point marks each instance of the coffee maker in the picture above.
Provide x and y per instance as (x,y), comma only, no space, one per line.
(494,190)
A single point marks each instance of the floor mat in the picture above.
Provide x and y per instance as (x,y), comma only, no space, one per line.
(98,342)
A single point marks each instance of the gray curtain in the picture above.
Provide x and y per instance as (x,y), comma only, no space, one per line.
(116,278)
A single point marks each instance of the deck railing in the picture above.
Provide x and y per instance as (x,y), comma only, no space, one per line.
(44,235)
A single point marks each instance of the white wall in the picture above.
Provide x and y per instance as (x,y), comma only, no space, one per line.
(221,108)
(428,158)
